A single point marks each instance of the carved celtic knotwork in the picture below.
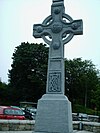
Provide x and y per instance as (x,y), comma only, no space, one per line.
(54,82)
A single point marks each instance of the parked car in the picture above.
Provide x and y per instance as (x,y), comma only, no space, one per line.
(83,117)
(8,112)
(29,109)
(74,117)
(30,113)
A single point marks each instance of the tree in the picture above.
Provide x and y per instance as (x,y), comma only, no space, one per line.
(3,93)
(96,98)
(81,80)
(27,77)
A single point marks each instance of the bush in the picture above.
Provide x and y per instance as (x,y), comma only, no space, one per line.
(81,109)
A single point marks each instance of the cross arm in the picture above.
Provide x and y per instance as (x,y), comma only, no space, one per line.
(76,27)
(39,30)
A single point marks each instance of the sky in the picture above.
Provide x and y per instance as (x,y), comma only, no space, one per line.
(16,26)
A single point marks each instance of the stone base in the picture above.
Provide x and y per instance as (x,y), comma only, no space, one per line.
(54,114)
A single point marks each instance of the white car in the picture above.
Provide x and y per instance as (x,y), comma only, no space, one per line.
(83,117)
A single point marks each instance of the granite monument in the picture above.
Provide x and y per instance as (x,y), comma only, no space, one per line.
(54,113)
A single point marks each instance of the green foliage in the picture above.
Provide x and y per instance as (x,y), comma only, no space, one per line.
(81,81)
(81,109)
(28,74)
(96,97)
(3,93)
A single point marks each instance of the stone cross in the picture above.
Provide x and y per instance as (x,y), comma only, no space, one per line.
(57,30)
(54,113)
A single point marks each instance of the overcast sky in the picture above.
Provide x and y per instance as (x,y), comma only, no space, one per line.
(18,16)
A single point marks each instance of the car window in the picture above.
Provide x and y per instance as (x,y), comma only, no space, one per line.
(13,112)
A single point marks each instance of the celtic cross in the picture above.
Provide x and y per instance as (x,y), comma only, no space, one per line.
(57,30)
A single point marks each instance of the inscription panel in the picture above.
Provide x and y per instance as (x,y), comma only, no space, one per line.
(55,64)
(54,82)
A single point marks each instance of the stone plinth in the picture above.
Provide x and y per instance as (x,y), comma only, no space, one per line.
(54,114)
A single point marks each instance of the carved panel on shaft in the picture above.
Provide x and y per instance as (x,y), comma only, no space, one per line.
(54,82)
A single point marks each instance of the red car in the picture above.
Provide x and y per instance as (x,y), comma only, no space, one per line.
(7,112)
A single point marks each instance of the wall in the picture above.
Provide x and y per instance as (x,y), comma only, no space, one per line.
(24,125)
(16,125)
(87,126)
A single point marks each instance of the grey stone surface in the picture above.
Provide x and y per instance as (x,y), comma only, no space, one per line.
(54,114)
(54,109)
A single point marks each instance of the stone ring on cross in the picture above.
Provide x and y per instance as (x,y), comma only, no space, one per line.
(57,28)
